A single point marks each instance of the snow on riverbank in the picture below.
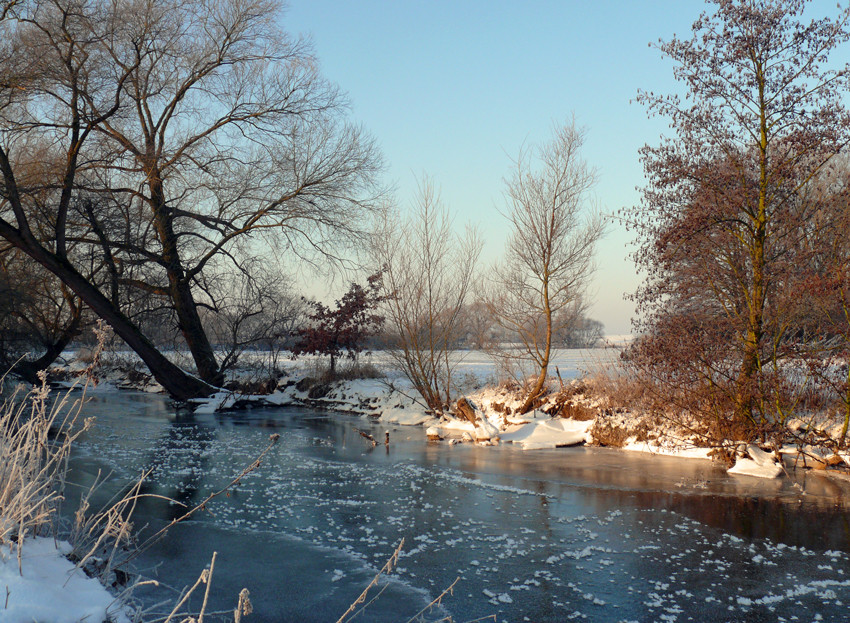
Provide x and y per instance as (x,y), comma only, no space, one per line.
(50,588)
(394,402)
(565,417)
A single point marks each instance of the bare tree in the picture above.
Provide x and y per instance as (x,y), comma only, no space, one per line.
(478,325)
(205,130)
(253,307)
(549,257)
(576,330)
(6,6)
(228,133)
(428,274)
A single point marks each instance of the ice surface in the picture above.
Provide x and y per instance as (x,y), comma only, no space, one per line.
(576,532)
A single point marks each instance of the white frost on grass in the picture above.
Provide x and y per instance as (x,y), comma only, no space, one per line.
(51,589)
(760,464)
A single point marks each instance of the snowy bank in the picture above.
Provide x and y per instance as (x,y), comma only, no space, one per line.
(551,425)
(50,588)
(573,411)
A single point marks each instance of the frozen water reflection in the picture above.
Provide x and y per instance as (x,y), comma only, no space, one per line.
(583,534)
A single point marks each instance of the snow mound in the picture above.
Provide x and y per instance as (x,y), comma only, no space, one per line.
(51,589)
(674,448)
(485,430)
(553,433)
(406,417)
(217,402)
(760,464)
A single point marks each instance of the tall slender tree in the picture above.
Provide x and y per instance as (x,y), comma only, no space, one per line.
(549,256)
(761,114)
(428,276)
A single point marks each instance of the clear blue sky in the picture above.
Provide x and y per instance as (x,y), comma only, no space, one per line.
(452,89)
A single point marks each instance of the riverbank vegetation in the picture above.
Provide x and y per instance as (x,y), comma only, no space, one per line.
(741,319)
(57,570)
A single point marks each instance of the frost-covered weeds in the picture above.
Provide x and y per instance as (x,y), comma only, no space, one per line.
(35,441)
(37,431)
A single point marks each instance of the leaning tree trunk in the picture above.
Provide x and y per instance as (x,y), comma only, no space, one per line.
(180,290)
(194,333)
(176,381)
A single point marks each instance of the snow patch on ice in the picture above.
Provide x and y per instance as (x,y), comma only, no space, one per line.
(51,588)
(760,464)
(552,433)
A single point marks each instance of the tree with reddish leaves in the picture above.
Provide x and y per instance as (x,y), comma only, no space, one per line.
(343,330)
(826,287)
(726,203)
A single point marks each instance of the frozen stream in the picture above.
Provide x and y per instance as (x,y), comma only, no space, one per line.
(569,534)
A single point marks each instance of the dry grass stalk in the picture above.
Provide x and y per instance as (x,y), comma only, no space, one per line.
(436,602)
(208,582)
(243,606)
(391,563)
(204,578)
(35,442)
